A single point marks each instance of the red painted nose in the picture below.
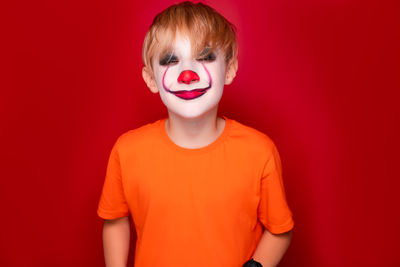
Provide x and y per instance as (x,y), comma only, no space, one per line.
(188,76)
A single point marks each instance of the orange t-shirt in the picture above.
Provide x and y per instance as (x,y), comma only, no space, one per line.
(196,207)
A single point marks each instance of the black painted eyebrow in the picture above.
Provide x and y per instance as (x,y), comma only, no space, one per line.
(207,55)
(168,57)
(205,52)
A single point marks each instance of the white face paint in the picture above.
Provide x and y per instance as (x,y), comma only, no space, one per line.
(189,87)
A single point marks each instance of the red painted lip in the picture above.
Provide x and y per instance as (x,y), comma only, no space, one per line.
(192,94)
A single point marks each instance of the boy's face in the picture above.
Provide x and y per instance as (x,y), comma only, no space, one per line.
(189,85)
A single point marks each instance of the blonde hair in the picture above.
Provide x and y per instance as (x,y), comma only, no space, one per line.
(204,26)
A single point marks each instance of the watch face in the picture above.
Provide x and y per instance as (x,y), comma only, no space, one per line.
(252,263)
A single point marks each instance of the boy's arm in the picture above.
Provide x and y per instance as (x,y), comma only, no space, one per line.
(116,238)
(271,248)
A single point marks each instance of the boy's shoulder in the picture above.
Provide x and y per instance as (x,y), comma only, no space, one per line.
(250,136)
(142,135)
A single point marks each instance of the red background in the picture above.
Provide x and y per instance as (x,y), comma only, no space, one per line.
(321,78)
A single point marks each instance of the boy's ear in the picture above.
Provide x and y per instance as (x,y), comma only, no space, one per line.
(231,70)
(149,80)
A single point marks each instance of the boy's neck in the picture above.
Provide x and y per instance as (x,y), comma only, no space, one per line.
(194,133)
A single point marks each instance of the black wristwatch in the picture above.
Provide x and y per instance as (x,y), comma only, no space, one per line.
(252,263)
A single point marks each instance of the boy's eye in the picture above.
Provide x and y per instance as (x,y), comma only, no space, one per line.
(168,60)
(209,57)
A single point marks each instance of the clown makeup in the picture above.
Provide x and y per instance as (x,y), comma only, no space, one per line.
(189,85)
(188,76)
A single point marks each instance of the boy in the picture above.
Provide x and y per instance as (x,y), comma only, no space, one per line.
(202,190)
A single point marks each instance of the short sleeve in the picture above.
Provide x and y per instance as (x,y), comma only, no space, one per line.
(112,202)
(273,210)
